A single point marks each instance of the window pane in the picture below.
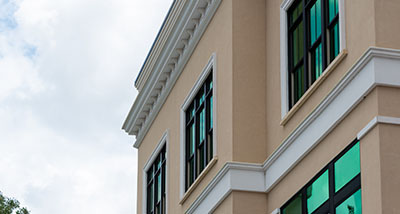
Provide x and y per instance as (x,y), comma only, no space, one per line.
(294,207)
(209,147)
(191,171)
(334,41)
(296,12)
(150,197)
(159,187)
(298,44)
(191,139)
(316,60)
(347,167)
(201,158)
(211,112)
(333,9)
(298,84)
(315,21)
(352,205)
(318,192)
(202,125)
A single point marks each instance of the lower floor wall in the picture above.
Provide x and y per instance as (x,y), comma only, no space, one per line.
(241,202)
(380,179)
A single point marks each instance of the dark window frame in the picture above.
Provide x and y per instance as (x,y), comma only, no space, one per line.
(335,198)
(203,145)
(324,41)
(152,202)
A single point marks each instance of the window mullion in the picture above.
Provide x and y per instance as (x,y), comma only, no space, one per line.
(324,33)
(331,188)
(196,139)
(205,125)
(306,70)
(304,200)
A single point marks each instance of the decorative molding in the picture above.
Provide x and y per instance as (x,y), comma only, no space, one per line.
(210,67)
(375,121)
(284,50)
(185,34)
(376,67)
(163,141)
(232,176)
(276,211)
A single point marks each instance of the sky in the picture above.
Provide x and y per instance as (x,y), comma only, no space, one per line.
(67,69)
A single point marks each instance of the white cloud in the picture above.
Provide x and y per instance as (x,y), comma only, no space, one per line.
(67,70)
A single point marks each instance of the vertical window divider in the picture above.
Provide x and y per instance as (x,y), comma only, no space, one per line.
(324,31)
(331,187)
(196,138)
(206,112)
(304,200)
(305,47)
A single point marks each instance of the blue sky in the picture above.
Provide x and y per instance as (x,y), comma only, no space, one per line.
(66,84)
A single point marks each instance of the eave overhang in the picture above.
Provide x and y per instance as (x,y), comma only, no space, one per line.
(179,35)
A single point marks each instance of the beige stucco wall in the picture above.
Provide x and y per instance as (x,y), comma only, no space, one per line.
(241,202)
(387,23)
(249,81)
(249,202)
(389,149)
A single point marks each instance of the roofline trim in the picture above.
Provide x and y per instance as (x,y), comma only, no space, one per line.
(189,26)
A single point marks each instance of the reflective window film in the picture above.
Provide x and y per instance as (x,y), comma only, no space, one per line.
(352,205)
(318,192)
(347,167)
(293,207)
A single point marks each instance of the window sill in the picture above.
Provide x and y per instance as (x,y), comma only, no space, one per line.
(314,87)
(198,180)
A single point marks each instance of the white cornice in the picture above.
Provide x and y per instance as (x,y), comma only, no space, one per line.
(378,66)
(376,121)
(174,54)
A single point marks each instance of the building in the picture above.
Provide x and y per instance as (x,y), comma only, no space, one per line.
(271,106)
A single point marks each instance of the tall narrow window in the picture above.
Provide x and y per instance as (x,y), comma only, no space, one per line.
(199,132)
(313,33)
(156,185)
(336,189)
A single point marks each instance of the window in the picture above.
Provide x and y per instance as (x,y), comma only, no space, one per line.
(313,42)
(156,198)
(199,132)
(336,189)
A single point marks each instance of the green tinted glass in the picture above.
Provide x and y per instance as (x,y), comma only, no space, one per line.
(192,139)
(317,61)
(202,126)
(211,112)
(296,12)
(315,21)
(352,205)
(150,199)
(318,192)
(347,167)
(298,43)
(333,9)
(334,41)
(293,207)
(201,158)
(159,187)
(298,83)
(191,171)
